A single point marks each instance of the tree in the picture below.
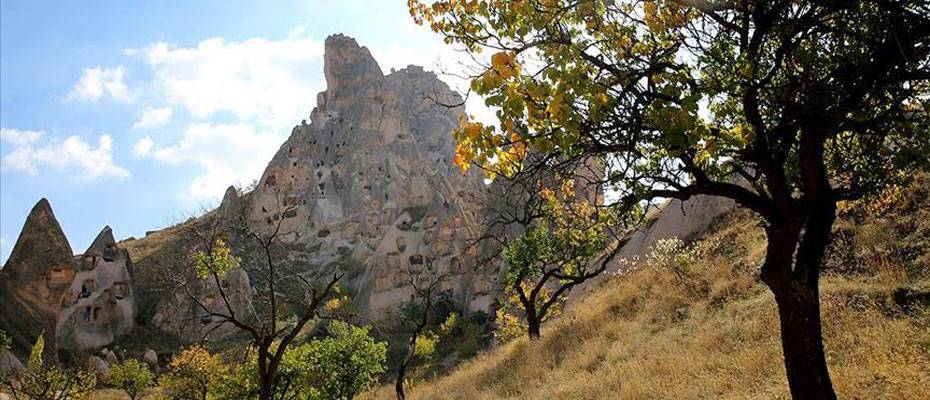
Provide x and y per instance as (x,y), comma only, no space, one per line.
(786,107)
(346,363)
(284,298)
(556,252)
(337,367)
(40,381)
(425,284)
(131,376)
(193,374)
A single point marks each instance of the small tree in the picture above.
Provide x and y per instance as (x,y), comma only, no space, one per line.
(6,342)
(284,300)
(556,252)
(192,374)
(346,363)
(131,376)
(40,381)
(425,284)
(337,367)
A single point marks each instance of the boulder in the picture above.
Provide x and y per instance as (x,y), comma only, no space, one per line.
(150,358)
(99,366)
(9,364)
(111,358)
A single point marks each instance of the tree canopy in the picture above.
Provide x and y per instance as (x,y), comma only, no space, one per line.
(131,376)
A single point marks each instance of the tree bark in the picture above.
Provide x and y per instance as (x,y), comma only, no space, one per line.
(399,383)
(402,369)
(802,345)
(532,327)
(794,282)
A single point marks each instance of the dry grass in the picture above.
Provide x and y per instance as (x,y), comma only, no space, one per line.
(650,335)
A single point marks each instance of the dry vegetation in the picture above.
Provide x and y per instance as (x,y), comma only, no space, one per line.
(713,332)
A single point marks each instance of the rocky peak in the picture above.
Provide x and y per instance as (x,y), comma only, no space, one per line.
(41,245)
(368,185)
(98,304)
(39,269)
(103,241)
(346,64)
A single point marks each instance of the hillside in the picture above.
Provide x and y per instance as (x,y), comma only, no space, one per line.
(711,331)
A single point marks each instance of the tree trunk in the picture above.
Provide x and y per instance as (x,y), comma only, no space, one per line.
(266,389)
(802,345)
(399,383)
(532,327)
(794,282)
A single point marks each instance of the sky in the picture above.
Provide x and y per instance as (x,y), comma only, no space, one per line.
(138,115)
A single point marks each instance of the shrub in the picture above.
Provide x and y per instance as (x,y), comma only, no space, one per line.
(47,382)
(130,376)
(192,374)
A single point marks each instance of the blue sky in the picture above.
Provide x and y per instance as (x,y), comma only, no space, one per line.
(139,114)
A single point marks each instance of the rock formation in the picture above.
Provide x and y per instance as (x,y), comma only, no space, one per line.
(676,219)
(39,270)
(99,304)
(79,302)
(369,184)
(366,187)
(179,315)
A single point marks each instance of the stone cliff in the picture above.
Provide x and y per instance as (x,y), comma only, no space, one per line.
(371,179)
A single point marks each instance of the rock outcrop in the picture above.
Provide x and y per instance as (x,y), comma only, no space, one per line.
(367,187)
(99,303)
(39,270)
(676,219)
(179,315)
(79,302)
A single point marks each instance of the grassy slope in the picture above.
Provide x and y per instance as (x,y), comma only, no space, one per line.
(651,335)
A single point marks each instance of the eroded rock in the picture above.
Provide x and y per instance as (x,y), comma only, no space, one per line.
(39,270)
(98,305)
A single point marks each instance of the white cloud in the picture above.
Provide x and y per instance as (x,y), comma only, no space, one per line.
(95,83)
(152,118)
(271,83)
(228,153)
(30,154)
(266,86)
(144,146)
(17,137)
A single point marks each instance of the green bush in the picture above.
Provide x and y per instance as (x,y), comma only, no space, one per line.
(337,367)
(130,376)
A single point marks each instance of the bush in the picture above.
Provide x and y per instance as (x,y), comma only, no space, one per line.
(130,376)
(46,382)
(334,368)
(192,374)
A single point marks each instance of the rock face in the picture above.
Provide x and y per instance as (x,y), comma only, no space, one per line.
(79,302)
(676,219)
(39,270)
(180,316)
(367,188)
(369,184)
(99,304)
